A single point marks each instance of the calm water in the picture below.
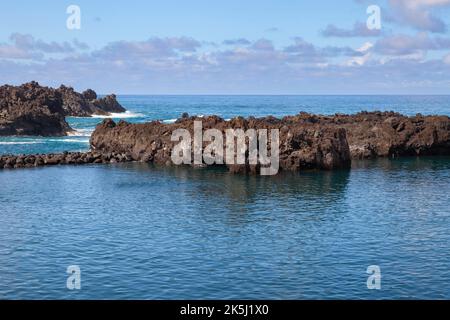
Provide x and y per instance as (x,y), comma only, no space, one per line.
(144,232)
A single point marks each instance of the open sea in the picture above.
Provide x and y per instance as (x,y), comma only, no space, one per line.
(137,231)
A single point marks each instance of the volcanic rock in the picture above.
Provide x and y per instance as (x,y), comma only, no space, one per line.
(301,147)
(31,110)
(87,104)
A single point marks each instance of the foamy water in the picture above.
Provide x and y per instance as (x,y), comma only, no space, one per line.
(8,143)
(122,115)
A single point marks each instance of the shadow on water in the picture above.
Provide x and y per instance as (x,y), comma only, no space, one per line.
(141,231)
(404,163)
(246,198)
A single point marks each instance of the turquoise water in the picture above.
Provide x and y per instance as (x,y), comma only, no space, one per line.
(143,232)
(169,108)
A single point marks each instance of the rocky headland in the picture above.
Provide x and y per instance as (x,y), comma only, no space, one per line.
(31,110)
(87,103)
(307,141)
(34,110)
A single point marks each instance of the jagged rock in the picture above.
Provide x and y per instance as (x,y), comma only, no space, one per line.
(89,94)
(109,104)
(301,147)
(387,134)
(32,110)
(87,104)
(306,141)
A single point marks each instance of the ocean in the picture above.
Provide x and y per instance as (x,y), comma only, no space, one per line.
(169,108)
(138,231)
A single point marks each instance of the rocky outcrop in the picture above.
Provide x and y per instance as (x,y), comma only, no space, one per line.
(301,147)
(387,134)
(32,110)
(72,158)
(306,141)
(87,104)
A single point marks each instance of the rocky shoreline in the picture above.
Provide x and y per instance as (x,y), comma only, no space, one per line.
(306,141)
(34,110)
(66,158)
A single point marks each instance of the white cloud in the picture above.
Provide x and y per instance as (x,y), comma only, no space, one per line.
(419,14)
(361,60)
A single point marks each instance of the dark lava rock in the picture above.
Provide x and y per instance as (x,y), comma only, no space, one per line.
(66,158)
(87,104)
(307,146)
(32,110)
(387,134)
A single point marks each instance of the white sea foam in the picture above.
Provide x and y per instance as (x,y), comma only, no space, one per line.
(81,133)
(19,142)
(170,121)
(122,115)
(69,140)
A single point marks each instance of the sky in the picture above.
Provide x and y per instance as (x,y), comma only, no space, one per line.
(229,47)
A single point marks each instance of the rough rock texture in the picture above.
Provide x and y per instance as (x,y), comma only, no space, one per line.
(87,104)
(38,160)
(306,141)
(307,146)
(31,110)
(387,134)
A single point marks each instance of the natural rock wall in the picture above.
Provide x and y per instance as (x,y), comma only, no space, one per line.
(387,134)
(301,147)
(306,141)
(38,160)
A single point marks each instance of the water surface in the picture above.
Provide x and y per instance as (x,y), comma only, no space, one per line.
(144,232)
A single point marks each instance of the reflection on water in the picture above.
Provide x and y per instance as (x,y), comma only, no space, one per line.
(139,231)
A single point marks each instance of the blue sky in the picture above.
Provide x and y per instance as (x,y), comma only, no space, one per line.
(229,47)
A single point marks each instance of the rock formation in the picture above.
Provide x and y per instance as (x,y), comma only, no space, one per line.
(301,147)
(87,104)
(306,141)
(387,134)
(38,160)
(31,110)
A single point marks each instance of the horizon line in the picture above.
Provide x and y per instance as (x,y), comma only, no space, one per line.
(275,95)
